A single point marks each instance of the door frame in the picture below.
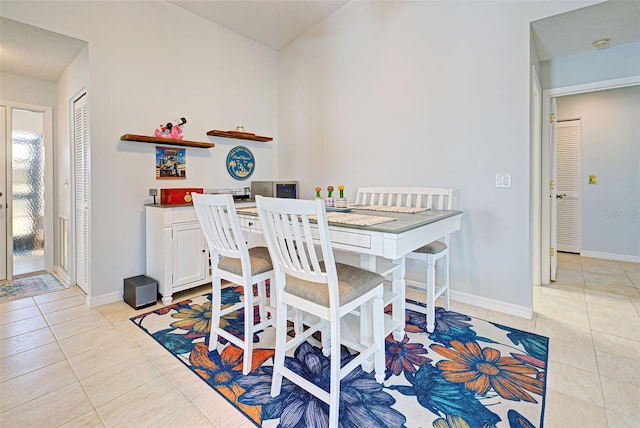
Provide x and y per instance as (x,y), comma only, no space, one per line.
(547,95)
(49,234)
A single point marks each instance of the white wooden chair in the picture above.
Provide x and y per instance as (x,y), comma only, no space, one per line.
(325,289)
(231,260)
(419,197)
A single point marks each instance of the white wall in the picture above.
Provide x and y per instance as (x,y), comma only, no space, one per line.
(26,90)
(608,64)
(423,93)
(73,81)
(149,63)
(610,149)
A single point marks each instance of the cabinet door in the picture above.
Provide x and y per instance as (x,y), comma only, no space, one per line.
(189,254)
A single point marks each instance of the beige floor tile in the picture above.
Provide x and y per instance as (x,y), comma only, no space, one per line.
(58,295)
(571,304)
(24,342)
(617,420)
(94,320)
(575,382)
(50,410)
(472,311)
(626,330)
(621,397)
(623,314)
(566,283)
(616,345)
(83,342)
(622,290)
(218,410)
(103,357)
(17,304)
(21,327)
(565,411)
(636,304)
(34,384)
(589,261)
(187,416)
(619,368)
(607,300)
(609,270)
(581,357)
(68,314)
(144,405)
(630,267)
(121,379)
(560,291)
(566,332)
(568,274)
(19,314)
(579,319)
(58,305)
(88,420)
(33,359)
(604,278)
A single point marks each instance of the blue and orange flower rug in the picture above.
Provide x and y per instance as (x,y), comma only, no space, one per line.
(467,373)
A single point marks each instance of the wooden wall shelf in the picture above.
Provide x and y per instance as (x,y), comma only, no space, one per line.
(238,135)
(169,141)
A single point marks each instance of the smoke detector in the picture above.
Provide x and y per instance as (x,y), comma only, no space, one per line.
(601,43)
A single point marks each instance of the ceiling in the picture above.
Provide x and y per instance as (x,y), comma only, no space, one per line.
(42,54)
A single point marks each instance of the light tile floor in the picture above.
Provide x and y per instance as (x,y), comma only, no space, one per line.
(63,364)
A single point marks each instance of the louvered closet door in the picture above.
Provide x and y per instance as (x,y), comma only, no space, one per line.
(80,148)
(568,185)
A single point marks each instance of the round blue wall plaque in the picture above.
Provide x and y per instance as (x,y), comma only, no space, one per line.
(240,163)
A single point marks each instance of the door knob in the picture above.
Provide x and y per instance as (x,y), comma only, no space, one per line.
(561,196)
(0,193)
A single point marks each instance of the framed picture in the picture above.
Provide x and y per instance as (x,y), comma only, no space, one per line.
(170,163)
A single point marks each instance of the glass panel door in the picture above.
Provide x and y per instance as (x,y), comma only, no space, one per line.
(28,156)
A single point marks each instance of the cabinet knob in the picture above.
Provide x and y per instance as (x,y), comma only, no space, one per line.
(250,223)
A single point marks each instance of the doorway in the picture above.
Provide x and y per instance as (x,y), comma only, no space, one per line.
(548,153)
(26,189)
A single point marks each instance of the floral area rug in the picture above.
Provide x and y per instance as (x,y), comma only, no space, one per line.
(28,286)
(467,373)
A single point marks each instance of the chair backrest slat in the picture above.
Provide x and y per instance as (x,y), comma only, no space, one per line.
(221,228)
(289,232)
(410,197)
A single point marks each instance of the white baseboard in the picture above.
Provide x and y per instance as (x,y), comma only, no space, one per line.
(610,256)
(104,299)
(491,304)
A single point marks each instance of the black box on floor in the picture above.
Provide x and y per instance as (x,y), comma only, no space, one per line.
(140,291)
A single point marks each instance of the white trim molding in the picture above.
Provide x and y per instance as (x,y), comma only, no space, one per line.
(105,299)
(493,305)
(610,256)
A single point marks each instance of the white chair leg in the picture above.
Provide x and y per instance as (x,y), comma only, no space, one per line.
(247,350)
(262,298)
(431,294)
(446,282)
(325,339)
(281,341)
(216,300)
(334,383)
(378,337)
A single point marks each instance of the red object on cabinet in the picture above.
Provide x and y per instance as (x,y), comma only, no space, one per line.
(178,196)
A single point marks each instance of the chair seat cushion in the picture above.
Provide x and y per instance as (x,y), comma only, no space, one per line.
(258,256)
(434,247)
(353,282)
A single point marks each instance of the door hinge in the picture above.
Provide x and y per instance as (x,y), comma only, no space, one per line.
(551,251)
(552,118)
(552,184)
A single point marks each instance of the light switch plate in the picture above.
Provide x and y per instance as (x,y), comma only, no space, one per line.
(503,181)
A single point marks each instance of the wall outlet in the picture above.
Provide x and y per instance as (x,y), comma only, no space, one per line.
(503,181)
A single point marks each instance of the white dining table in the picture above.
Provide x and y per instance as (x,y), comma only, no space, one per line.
(390,240)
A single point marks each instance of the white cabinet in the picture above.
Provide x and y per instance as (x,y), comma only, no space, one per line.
(177,255)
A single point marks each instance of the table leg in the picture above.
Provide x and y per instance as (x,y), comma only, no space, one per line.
(398,305)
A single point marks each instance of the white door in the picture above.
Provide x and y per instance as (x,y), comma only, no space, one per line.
(3,194)
(552,196)
(568,185)
(81,170)
(189,254)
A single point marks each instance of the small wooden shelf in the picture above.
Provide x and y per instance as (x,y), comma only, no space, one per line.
(238,135)
(169,141)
